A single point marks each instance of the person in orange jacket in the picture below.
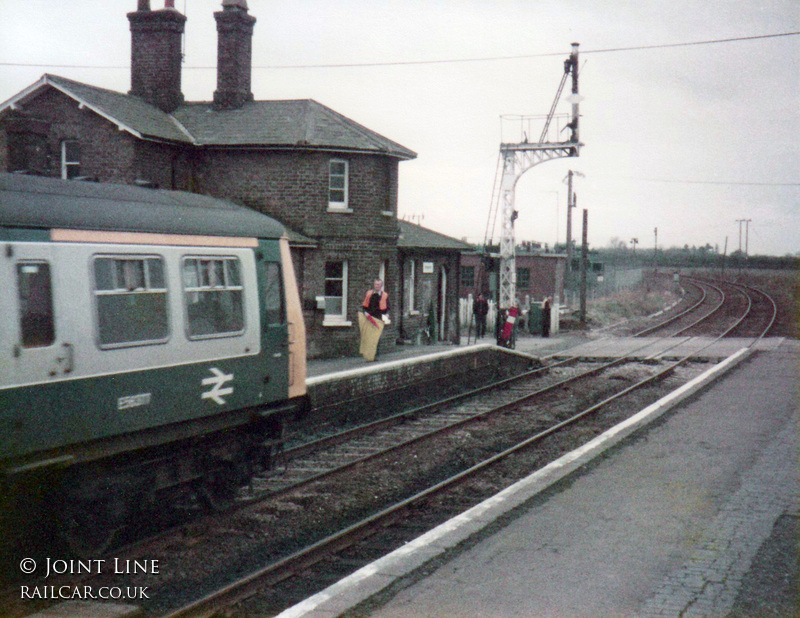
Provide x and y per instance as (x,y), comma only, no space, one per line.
(376,302)
(375,309)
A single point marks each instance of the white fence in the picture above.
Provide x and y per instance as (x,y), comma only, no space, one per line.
(467,320)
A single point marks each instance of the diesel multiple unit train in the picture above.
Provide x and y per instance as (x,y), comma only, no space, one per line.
(152,346)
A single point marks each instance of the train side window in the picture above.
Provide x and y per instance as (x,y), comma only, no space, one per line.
(131,300)
(273,295)
(213,294)
(37,325)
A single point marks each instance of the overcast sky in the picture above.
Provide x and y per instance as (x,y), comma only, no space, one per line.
(687,139)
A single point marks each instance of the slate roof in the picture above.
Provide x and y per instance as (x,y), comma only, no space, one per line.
(290,124)
(283,124)
(414,236)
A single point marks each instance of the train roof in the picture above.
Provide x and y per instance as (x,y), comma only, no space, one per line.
(41,202)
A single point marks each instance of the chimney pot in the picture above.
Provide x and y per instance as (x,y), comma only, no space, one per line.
(234,55)
(156,56)
(234,4)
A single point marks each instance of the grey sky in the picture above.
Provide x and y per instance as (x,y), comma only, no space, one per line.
(658,125)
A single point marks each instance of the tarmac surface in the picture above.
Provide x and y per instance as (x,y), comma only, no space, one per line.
(692,510)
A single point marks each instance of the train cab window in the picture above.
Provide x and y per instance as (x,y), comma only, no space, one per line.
(35,304)
(213,295)
(273,296)
(131,300)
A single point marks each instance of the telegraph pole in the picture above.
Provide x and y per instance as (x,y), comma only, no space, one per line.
(740,221)
(747,238)
(570,206)
(572,202)
(655,251)
(724,255)
(584,264)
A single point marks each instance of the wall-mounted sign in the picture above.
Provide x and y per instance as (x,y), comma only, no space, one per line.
(427,268)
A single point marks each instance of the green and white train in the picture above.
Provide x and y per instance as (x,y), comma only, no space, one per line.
(152,343)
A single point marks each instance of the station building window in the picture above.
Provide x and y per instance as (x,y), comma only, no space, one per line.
(35,297)
(335,292)
(338,185)
(467,276)
(70,159)
(213,294)
(130,300)
(523,278)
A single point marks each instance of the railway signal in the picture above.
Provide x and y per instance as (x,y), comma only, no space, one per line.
(520,156)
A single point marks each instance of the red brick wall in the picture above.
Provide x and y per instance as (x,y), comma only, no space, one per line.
(364,257)
(546,275)
(106,152)
(293,188)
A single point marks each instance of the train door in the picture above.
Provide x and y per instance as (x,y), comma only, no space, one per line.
(442,304)
(8,326)
(276,336)
(39,351)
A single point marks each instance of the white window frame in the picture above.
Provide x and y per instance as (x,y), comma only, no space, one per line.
(412,288)
(339,319)
(66,164)
(343,206)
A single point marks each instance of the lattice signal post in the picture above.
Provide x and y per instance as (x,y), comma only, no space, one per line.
(518,158)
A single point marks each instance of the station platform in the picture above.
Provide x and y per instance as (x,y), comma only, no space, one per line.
(659,348)
(693,515)
(562,345)
(324,366)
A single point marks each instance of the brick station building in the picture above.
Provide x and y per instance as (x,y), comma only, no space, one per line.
(332,182)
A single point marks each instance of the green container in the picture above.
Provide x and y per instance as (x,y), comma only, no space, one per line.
(535,319)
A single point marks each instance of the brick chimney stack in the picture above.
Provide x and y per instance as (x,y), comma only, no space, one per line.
(156,55)
(234,55)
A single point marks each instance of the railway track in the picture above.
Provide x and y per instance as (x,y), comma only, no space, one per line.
(345,542)
(539,398)
(719,309)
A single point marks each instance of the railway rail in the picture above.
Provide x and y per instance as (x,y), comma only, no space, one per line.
(388,526)
(344,540)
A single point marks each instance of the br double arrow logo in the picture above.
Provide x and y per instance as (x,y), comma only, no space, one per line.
(218,381)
